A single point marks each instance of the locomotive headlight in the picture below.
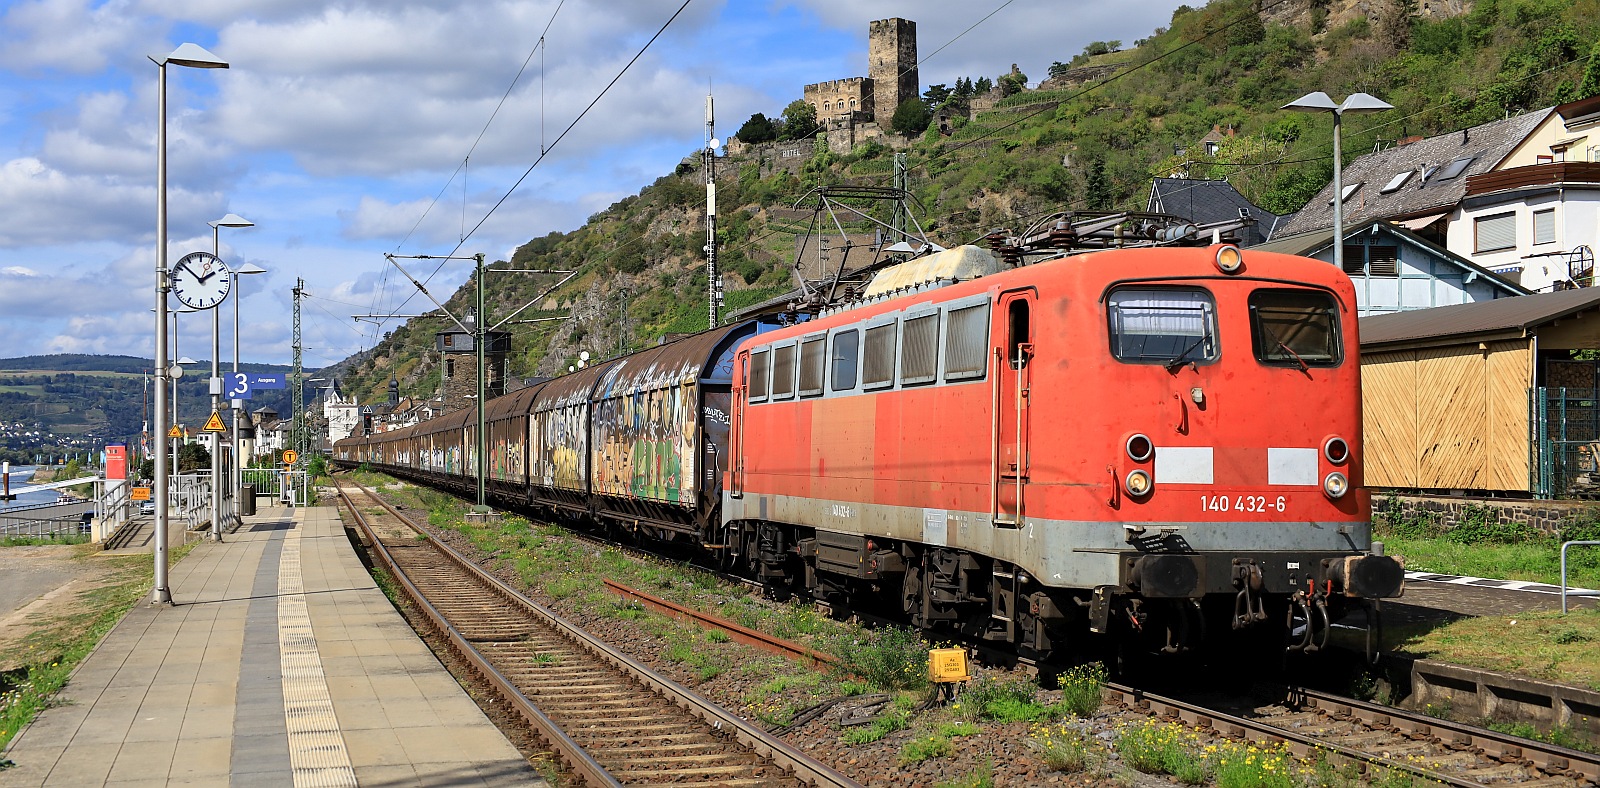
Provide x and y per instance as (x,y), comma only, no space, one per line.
(1140,448)
(1230,259)
(1335,485)
(1138,484)
(1336,450)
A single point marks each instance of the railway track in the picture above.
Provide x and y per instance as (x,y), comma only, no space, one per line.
(611,720)
(1451,753)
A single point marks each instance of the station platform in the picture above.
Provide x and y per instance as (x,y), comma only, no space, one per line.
(280,663)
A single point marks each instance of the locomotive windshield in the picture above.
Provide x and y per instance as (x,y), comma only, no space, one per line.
(1171,326)
(1295,328)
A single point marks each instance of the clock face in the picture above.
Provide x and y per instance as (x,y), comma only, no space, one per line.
(200,280)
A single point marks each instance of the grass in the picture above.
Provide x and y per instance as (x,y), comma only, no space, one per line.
(1478,545)
(48,655)
(34,541)
(925,748)
(891,720)
(1155,747)
(1561,735)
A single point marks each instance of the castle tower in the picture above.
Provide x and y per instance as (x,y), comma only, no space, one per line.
(460,360)
(892,66)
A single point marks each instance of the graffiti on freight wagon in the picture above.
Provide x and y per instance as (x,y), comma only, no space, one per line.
(644,430)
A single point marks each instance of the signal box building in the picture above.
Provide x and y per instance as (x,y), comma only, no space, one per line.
(458,359)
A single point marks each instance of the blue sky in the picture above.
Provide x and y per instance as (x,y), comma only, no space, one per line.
(337,124)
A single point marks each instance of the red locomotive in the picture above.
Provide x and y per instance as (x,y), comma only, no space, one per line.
(1151,444)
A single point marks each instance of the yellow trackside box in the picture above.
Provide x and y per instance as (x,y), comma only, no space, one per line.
(946,665)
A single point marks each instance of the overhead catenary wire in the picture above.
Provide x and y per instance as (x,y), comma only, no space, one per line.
(557,141)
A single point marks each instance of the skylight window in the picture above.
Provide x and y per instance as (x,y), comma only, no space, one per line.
(1348,190)
(1456,167)
(1397,181)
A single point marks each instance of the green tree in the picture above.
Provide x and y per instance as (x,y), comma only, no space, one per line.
(982,86)
(757,129)
(910,118)
(935,95)
(1058,69)
(1590,85)
(1097,186)
(1013,83)
(799,121)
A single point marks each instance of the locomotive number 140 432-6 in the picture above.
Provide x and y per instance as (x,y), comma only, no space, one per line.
(1248,504)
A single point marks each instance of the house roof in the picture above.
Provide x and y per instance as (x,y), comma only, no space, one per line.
(1486,145)
(1308,244)
(1502,315)
(1202,201)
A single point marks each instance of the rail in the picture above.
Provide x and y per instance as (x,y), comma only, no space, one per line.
(1564,546)
(796,763)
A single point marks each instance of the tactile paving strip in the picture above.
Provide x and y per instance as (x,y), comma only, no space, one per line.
(316,749)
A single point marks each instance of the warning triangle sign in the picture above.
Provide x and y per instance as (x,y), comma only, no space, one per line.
(214,424)
(175,432)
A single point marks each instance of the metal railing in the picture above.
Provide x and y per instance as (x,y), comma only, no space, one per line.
(42,527)
(1564,546)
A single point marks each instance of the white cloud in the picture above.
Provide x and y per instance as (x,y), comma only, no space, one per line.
(17,270)
(70,36)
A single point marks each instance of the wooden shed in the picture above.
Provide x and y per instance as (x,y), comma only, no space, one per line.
(1451,395)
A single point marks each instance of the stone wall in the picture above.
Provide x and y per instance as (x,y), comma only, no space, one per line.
(892,65)
(1547,516)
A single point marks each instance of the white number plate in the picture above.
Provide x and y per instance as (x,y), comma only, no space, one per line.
(1247,504)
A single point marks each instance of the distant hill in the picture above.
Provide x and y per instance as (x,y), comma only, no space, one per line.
(108,397)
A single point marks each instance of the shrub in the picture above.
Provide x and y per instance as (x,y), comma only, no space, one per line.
(890,721)
(1001,700)
(892,658)
(1480,525)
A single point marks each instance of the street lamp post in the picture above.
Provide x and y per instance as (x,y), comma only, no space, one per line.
(191,56)
(238,404)
(231,220)
(1355,103)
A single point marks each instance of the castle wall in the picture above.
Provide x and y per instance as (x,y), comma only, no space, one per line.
(836,100)
(892,65)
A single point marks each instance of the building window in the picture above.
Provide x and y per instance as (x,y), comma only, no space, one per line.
(852,103)
(1383,261)
(1355,259)
(1544,226)
(1544,159)
(449,340)
(449,367)
(1495,233)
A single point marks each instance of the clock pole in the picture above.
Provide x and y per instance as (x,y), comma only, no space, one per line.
(216,393)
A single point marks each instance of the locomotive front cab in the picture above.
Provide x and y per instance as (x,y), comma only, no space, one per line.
(1234,466)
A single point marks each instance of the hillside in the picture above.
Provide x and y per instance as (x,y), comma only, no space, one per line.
(1092,144)
(76,396)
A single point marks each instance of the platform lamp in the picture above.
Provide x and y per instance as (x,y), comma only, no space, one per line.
(1355,103)
(190,56)
(231,220)
(238,404)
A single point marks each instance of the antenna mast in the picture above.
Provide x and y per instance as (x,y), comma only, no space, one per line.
(709,157)
(297,382)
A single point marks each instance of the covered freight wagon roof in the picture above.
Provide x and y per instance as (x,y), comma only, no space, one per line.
(672,364)
(1482,320)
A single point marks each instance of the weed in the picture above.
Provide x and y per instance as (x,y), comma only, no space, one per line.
(1568,636)
(717,636)
(919,750)
(888,722)
(545,658)
(1560,735)
(563,587)
(1001,700)
(1439,711)
(957,729)
(982,778)
(34,541)
(386,584)
(1062,748)
(1157,748)
(625,609)
(678,651)
(1080,689)
(708,672)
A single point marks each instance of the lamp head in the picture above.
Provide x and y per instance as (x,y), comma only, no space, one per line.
(185,361)
(232,220)
(249,268)
(1313,102)
(1360,103)
(193,56)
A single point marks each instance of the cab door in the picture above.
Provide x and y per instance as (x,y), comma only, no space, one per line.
(1011,357)
(740,399)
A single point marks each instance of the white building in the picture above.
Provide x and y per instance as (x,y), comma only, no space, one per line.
(340,413)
